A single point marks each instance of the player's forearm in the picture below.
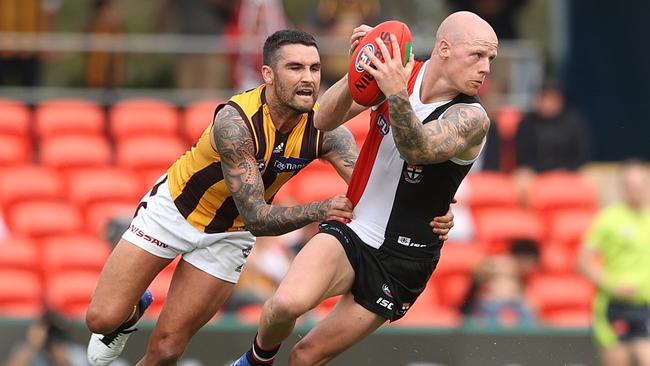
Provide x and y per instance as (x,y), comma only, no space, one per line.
(268,220)
(334,106)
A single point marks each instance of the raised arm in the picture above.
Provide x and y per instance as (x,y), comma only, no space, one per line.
(340,150)
(336,106)
(235,146)
(462,127)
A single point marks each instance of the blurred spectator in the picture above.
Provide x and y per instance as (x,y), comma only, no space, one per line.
(104,69)
(199,17)
(24,16)
(496,295)
(257,19)
(336,19)
(616,257)
(551,137)
(501,14)
(47,343)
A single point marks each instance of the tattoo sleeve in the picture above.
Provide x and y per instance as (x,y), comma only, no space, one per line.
(236,148)
(340,149)
(462,127)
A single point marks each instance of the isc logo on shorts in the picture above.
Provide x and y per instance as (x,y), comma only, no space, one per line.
(384,303)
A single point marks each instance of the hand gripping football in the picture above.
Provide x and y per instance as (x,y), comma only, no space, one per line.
(362,85)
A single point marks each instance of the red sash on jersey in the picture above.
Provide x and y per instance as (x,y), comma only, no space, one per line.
(379,120)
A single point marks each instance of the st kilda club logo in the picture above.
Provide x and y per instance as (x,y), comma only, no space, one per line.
(413,173)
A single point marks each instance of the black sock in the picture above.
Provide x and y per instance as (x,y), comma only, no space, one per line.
(261,357)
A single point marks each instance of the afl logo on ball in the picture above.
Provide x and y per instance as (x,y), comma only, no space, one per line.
(413,173)
(361,57)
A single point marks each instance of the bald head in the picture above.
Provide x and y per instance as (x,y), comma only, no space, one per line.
(465,26)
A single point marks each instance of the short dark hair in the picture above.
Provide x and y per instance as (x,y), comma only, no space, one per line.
(281,38)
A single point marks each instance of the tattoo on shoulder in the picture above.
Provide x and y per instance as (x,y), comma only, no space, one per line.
(339,144)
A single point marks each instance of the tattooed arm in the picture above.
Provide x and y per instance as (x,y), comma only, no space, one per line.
(340,150)
(462,127)
(236,149)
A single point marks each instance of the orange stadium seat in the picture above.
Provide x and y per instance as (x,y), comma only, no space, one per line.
(135,118)
(75,152)
(558,293)
(14,150)
(452,288)
(561,190)
(197,117)
(317,185)
(427,312)
(88,254)
(499,226)
(490,190)
(18,254)
(14,118)
(103,185)
(152,153)
(98,215)
(68,117)
(458,257)
(557,258)
(569,226)
(69,292)
(571,318)
(38,219)
(20,293)
(29,182)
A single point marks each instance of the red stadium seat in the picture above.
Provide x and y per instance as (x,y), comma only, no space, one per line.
(457,257)
(69,292)
(29,182)
(149,152)
(452,288)
(14,150)
(561,190)
(14,118)
(572,318)
(98,215)
(75,152)
(557,258)
(559,293)
(18,254)
(490,190)
(38,219)
(568,226)
(20,294)
(104,185)
(68,117)
(74,253)
(197,117)
(499,226)
(136,118)
(317,185)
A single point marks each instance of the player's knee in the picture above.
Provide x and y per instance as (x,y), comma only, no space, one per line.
(304,353)
(102,322)
(166,349)
(285,306)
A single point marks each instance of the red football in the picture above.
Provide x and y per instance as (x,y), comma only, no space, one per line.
(363,87)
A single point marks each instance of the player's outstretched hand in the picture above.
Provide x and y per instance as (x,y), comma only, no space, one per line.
(339,208)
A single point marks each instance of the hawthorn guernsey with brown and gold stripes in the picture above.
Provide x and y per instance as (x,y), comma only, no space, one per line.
(196,180)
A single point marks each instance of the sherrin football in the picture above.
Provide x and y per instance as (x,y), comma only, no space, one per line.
(362,85)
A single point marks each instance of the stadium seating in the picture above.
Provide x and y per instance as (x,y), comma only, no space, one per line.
(29,182)
(359,126)
(557,258)
(97,215)
(39,219)
(136,118)
(14,150)
(153,152)
(68,117)
(20,293)
(14,118)
(19,254)
(549,192)
(490,190)
(72,152)
(557,294)
(69,292)
(197,116)
(88,254)
(568,226)
(497,227)
(315,184)
(108,185)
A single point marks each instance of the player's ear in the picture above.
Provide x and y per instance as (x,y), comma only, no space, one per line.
(444,48)
(267,74)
